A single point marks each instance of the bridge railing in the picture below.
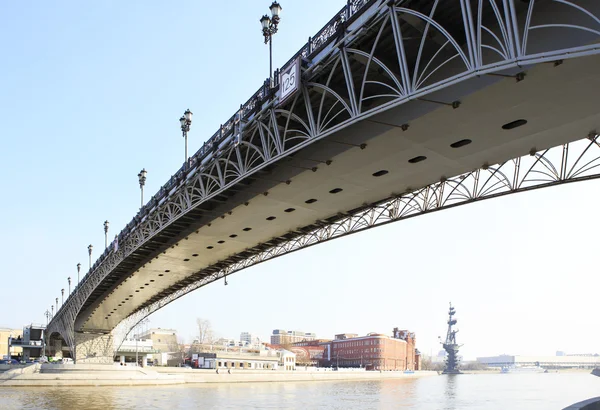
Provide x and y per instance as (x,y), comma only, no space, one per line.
(211,148)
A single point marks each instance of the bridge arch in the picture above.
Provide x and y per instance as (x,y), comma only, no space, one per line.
(568,163)
(490,40)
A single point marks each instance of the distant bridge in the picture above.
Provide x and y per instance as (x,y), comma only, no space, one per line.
(401,108)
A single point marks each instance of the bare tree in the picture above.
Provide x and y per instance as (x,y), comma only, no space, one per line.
(205,332)
(428,364)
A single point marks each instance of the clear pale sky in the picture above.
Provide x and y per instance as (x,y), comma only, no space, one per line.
(91,92)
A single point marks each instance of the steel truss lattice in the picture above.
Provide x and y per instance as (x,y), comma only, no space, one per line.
(371,57)
(576,161)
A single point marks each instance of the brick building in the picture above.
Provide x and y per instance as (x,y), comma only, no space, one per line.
(373,351)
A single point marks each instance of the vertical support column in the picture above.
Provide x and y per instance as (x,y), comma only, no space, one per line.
(94,348)
(144,360)
(122,359)
(58,354)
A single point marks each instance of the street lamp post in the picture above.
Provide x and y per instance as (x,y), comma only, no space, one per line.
(52,307)
(56,305)
(69,280)
(142,180)
(47,317)
(62,292)
(78,270)
(105,234)
(186,121)
(269,27)
(90,247)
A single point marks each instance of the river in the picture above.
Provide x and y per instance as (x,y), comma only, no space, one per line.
(476,391)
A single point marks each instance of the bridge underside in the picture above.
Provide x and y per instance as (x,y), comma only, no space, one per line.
(559,103)
(373,131)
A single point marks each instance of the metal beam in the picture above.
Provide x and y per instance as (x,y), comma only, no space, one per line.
(573,162)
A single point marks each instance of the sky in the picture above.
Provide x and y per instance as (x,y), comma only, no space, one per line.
(91,93)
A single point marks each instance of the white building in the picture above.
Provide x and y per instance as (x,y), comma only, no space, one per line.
(239,361)
(141,349)
(287,360)
(573,361)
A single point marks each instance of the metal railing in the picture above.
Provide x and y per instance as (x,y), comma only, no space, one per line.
(215,144)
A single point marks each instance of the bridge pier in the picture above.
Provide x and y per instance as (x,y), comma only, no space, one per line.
(57,345)
(94,348)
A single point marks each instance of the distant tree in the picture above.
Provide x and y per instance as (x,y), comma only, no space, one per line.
(427,364)
(205,332)
(473,366)
(302,357)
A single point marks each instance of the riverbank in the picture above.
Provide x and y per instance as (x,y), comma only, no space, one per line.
(107,375)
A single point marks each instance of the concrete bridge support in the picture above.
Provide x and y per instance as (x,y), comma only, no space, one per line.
(94,348)
(57,345)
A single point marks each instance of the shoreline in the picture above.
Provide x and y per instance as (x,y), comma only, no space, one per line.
(107,375)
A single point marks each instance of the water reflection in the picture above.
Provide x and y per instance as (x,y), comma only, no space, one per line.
(450,392)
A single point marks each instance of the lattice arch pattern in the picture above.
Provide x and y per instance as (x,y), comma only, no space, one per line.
(372,56)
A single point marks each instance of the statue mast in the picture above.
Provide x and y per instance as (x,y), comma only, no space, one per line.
(450,345)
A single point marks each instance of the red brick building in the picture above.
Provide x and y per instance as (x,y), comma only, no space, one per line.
(374,351)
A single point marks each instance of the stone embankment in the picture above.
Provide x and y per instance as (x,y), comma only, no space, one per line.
(108,375)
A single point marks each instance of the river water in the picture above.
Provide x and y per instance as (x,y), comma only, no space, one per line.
(480,391)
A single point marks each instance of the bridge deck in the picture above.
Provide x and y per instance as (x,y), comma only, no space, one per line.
(373,69)
(565,112)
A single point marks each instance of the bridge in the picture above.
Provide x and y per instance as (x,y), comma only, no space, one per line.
(394,109)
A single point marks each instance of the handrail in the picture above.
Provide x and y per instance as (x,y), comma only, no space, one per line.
(315,44)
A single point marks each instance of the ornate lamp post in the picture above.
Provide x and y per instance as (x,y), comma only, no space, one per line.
(90,247)
(69,280)
(78,270)
(56,305)
(186,121)
(142,180)
(62,292)
(52,307)
(269,27)
(105,234)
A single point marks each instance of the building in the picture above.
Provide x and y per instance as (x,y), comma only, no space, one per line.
(137,349)
(287,360)
(373,351)
(309,353)
(5,334)
(163,340)
(226,342)
(31,342)
(285,337)
(249,339)
(237,360)
(588,361)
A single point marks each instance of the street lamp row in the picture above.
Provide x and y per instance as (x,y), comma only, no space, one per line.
(186,122)
(269,28)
